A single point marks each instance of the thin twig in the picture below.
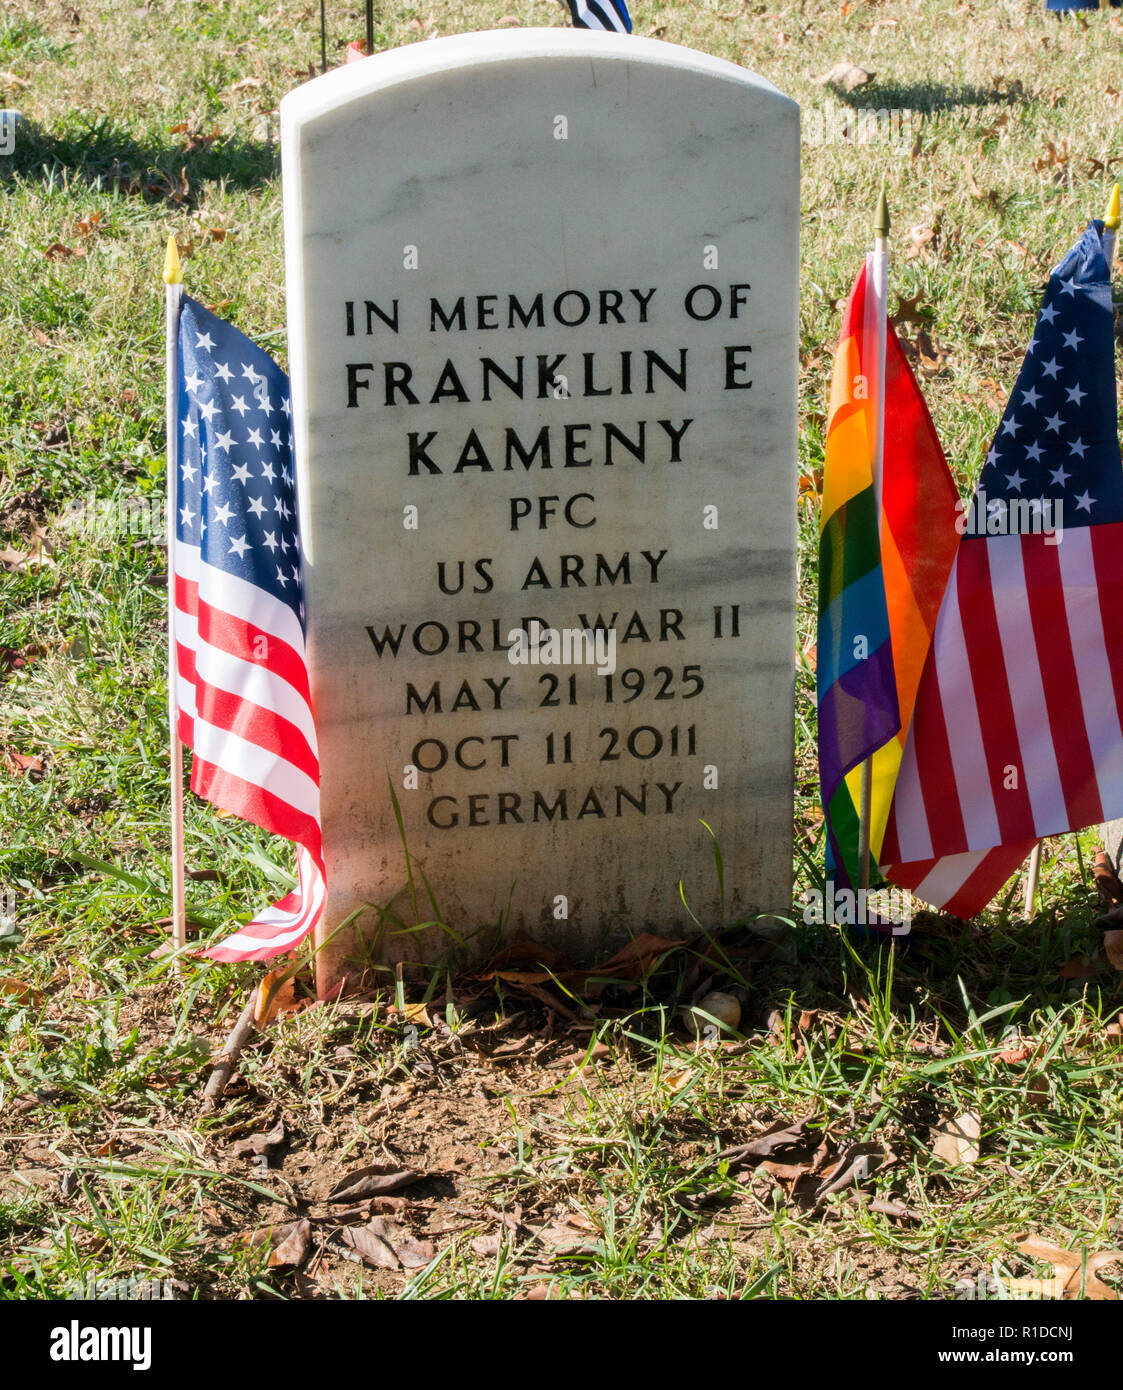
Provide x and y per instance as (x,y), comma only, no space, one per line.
(231,1051)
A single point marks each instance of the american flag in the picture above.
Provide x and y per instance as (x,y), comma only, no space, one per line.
(601,14)
(242,681)
(1018,728)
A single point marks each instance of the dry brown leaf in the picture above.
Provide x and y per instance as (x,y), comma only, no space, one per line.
(416,1013)
(786,1141)
(291,1245)
(1113,945)
(487,1246)
(1053,158)
(637,957)
(1107,884)
(513,1048)
(58,252)
(1078,968)
(956,1140)
(273,999)
(976,192)
(12,80)
(1071,1270)
(411,1252)
(260,1145)
(19,991)
(370,1246)
(907,310)
(30,765)
(372,1182)
(846,75)
(1037,1089)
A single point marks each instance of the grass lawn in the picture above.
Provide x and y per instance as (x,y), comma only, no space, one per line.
(569,1143)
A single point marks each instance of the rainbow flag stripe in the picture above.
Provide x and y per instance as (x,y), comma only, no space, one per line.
(880,585)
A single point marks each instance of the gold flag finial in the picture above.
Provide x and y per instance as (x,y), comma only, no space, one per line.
(881,224)
(1111,216)
(173,275)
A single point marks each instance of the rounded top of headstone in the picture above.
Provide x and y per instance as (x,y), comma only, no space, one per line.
(429,57)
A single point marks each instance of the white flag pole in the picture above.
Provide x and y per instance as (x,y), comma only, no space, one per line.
(877,302)
(173,296)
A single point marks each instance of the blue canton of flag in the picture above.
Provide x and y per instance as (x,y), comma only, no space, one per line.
(236,490)
(243,701)
(601,14)
(1057,440)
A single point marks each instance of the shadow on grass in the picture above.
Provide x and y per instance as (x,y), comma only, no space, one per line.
(105,156)
(929,97)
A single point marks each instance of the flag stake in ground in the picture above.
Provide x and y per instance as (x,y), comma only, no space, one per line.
(173,297)
(880,287)
(1031,879)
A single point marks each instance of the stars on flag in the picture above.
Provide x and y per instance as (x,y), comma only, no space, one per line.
(1055,446)
(236,489)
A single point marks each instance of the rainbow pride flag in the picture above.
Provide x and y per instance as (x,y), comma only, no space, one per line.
(886,547)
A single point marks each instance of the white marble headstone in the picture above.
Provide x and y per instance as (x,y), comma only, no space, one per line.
(542,298)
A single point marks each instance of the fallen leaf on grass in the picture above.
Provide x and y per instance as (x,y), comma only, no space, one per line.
(288,1244)
(846,75)
(786,1141)
(386,1245)
(19,991)
(411,1252)
(370,1246)
(1113,945)
(1054,159)
(956,1141)
(86,226)
(907,310)
(13,80)
(292,1248)
(260,1145)
(372,1182)
(1078,968)
(58,251)
(857,1163)
(1107,883)
(561,1236)
(1070,1270)
(28,764)
(979,194)
(273,998)
(416,1013)
(1037,1089)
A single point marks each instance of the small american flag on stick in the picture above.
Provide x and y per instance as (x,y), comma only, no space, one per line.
(241,681)
(1018,728)
(601,14)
